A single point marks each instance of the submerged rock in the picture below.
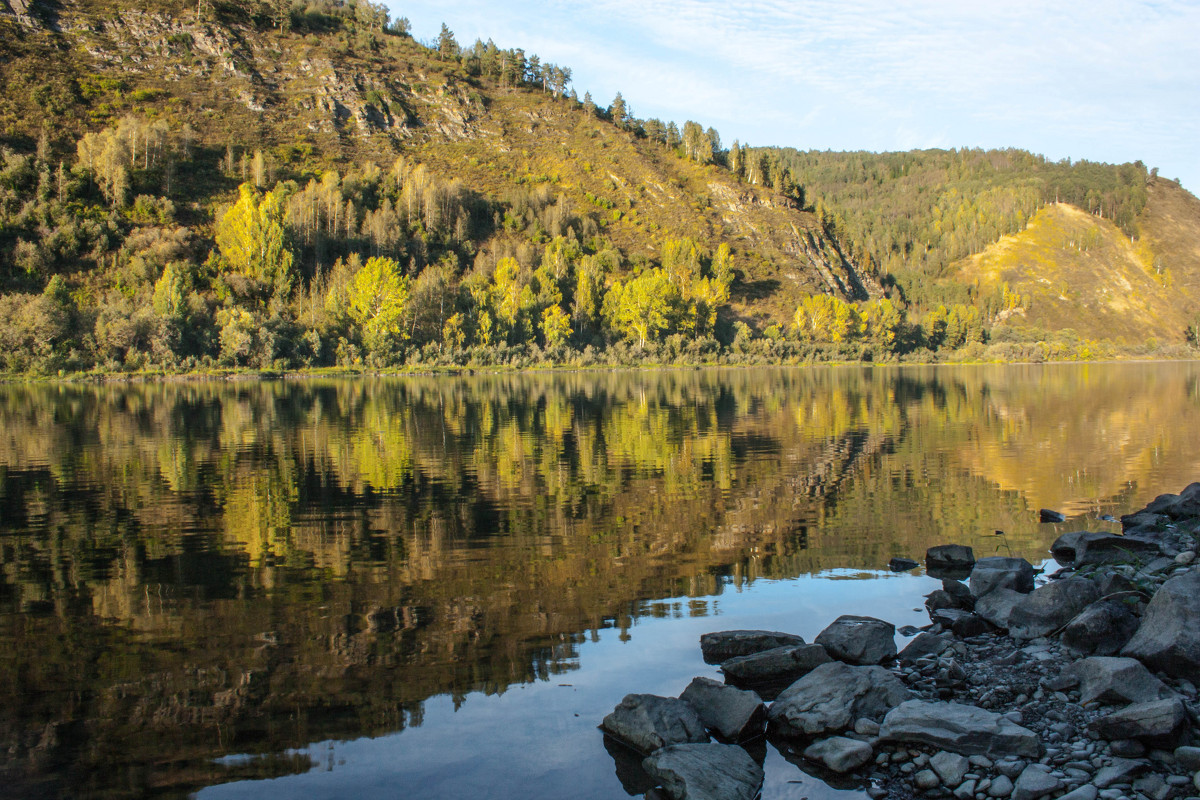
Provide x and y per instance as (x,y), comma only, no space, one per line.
(831,697)
(1169,636)
(705,772)
(724,645)
(647,722)
(775,669)
(958,728)
(859,640)
(1049,515)
(734,714)
(902,564)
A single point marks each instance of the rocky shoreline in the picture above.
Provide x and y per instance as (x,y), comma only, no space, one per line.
(1083,687)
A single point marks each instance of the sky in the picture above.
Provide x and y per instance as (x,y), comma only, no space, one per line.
(1103,80)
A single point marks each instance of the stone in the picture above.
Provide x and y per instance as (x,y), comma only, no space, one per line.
(831,697)
(1168,639)
(1188,758)
(1112,548)
(1065,546)
(839,753)
(1085,792)
(733,714)
(1112,583)
(1010,768)
(861,641)
(1112,680)
(775,668)
(963,624)
(866,727)
(1127,748)
(958,728)
(1121,770)
(1102,628)
(1152,786)
(959,590)
(949,558)
(1157,719)
(996,606)
(1185,558)
(902,564)
(950,767)
(926,779)
(1050,516)
(923,645)
(724,645)
(965,791)
(705,772)
(1035,781)
(940,598)
(647,722)
(1050,607)
(1001,572)
(1002,786)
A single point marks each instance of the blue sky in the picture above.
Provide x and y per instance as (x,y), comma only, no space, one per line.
(1104,80)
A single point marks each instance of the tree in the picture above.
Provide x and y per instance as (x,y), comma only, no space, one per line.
(556,326)
(447,46)
(643,307)
(618,113)
(589,105)
(378,304)
(253,241)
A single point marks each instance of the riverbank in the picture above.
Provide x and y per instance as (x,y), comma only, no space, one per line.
(1078,684)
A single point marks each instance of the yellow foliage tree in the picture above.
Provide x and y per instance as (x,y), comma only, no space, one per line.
(252,238)
(378,303)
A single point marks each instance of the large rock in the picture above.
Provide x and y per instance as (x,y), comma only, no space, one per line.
(839,753)
(830,698)
(949,558)
(705,772)
(1176,506)
(958,728)
(923,644)
(1157,720)
(1110,548)
(775,669)
(859,640)
(647,722)
(963,624)
(1169,636)
(1035,781)
(1104,679)
(1064,547)
(724,645)
(1050,607)
(1102,628)
(997,605)
(1051,516)
(734,714)
(1001,572)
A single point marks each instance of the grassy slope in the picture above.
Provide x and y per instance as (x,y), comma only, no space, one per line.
(1081,272)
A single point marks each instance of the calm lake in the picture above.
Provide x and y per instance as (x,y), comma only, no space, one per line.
(438,586)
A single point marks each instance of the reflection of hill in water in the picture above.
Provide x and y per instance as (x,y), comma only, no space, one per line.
(292,561)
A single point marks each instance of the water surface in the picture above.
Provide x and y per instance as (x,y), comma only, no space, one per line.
(437,587)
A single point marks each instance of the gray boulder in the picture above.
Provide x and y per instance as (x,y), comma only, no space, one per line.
(1177,506)
(1119,770)
(997,605)
(839,753)
(1102,628)
(1001,572)
(647,722)
(949,558)
(1157,719)
(724,645)
(1085,792)
(1104,679)
(963,624)
(774,668)
(1112,548)
(705,772)
(1188,758)
(830,698)
(950,767)
(923,644)
(734,714)
(1035,781)
(958,728)
(940,598)
(1064,547)
(1169,636)
(859,640)
(1050,607)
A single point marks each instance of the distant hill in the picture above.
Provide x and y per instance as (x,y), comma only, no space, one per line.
(126,130)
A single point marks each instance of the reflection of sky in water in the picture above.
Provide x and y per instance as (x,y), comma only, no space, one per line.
(541,740)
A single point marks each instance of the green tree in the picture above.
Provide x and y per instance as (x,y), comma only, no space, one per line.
(378,304)
(556,326)
(643,307)
(253,240)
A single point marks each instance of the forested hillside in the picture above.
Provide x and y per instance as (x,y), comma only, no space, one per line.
(284,185)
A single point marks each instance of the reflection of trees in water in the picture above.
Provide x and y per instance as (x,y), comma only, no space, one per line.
(310,559)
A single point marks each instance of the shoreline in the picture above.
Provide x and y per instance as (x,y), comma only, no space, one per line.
(1080,685)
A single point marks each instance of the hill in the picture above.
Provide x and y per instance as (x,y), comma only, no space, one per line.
(279,185)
